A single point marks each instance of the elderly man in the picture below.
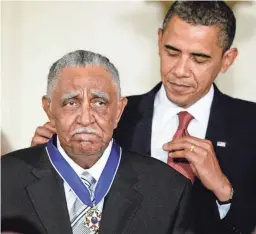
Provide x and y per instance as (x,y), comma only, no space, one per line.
(82,181)
(218,131)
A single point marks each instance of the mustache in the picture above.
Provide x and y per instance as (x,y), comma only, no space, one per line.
(85,130)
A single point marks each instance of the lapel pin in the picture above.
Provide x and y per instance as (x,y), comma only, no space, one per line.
(221,144)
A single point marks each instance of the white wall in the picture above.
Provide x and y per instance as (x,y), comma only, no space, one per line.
(35,34)
(240,80)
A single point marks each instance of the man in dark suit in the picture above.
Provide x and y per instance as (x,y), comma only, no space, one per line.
(194,46)
(81,181)
(218,140)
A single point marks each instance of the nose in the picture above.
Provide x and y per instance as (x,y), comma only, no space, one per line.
(85,115)
(181,69)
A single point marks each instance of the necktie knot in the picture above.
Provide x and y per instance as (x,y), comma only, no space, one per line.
(181,165)
(89,182)
(82,217)
(184,120)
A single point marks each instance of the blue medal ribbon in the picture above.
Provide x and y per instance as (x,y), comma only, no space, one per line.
(74,181)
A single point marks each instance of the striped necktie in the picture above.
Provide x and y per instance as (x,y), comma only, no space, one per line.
(78,211)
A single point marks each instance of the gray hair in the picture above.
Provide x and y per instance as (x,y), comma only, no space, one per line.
(80,58)
(207,13)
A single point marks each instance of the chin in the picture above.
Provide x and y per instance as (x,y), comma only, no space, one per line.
(179,100)
(87,148)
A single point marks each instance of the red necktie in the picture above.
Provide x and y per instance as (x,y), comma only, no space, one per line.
(183,168)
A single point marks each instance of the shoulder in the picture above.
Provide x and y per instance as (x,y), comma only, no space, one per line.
(247,106)
(17,173)
(241,111)
(24,155)
(134,102)
(152,169)
(21,160)
(139,102)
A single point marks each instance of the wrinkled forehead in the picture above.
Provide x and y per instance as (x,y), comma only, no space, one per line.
(89,78)
(87,71)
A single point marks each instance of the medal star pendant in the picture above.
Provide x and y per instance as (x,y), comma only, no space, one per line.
(92,219)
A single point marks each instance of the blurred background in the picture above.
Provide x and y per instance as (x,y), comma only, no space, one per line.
(35,34)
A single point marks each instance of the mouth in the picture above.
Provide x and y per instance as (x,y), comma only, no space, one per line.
(85,137)
(179,88)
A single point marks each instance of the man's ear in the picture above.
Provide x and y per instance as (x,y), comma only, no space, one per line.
(120,109)
(160,35)
(228,59)
(46,103)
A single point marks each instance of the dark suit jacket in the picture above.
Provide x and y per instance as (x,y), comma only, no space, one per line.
(147,196)
(232,121)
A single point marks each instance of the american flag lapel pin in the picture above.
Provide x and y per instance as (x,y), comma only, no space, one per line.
(221,143)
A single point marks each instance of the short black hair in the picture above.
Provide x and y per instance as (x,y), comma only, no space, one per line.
(207,13)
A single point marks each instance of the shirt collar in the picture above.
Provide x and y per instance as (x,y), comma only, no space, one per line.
(95,170)
(200,110)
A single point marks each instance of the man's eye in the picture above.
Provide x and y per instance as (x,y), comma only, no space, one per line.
(99,103)
(173,55)
(70,103)
(200,60)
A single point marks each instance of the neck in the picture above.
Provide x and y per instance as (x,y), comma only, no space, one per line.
(85,161)
(192,102)
(82,158)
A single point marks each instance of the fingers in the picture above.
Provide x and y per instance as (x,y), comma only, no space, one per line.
(39,140)
(203,162)
(195,150)
(50,126)
(47,130)
(43,134)
(187,150)
(185,143)
(192,157)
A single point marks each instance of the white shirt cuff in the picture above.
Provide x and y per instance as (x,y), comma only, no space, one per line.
(223,209)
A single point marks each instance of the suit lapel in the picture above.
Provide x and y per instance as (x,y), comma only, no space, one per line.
(122,202)
(218,125)
(217,130)
(141,140)
(48,198)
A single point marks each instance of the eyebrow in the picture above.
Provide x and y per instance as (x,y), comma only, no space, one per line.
(100,94)
(69,95)
(201,55)
(169,47)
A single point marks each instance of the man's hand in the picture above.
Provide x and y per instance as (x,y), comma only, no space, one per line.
(43,134)
(204,164)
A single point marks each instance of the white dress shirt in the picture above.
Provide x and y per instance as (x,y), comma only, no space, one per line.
(166,121)
(94,171)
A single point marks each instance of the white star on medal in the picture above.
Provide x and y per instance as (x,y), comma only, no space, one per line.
(92,219)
